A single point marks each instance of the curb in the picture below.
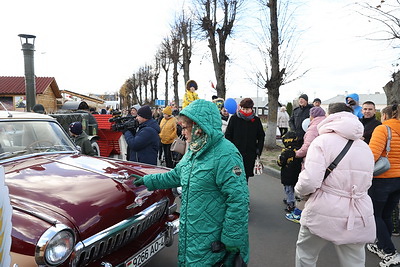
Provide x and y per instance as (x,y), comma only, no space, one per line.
(272,172)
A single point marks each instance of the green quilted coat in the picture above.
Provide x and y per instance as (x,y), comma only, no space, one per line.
(215,195)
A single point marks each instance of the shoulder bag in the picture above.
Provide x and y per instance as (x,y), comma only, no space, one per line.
(179,145)
(328,170)
(383,164)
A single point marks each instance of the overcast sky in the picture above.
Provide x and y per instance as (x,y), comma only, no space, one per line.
(93,46)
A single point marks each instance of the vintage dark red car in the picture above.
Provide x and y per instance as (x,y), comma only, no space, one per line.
(74,210)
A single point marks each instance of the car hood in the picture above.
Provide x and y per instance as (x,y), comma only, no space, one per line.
(89,192)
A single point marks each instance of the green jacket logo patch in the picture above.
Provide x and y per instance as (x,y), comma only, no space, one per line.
(237,170)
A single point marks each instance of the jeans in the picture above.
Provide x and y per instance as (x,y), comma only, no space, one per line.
(385,195)
(289,191)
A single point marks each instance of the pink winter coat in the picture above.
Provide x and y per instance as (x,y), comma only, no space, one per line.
(339,208)
(311,134)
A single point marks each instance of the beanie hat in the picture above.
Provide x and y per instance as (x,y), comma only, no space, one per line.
(304,96)
(317,112)
(317,100)
(247,103)
(76,128)
(145,112)
(38,108)
(167,110)
(219,102)
(136,106)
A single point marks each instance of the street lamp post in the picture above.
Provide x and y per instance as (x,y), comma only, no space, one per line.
(28,47)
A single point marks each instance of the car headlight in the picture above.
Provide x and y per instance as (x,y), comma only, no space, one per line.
(55,245)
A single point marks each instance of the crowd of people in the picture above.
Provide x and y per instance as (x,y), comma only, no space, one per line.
(339,199)
(327,166)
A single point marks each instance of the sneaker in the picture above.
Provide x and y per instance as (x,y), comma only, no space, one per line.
(290,208)
(374,249)
(390,260)
(293,218)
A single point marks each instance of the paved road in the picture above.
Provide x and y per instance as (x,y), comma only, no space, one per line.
(272,237)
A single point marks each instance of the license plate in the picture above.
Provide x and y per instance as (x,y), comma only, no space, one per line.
(145,254)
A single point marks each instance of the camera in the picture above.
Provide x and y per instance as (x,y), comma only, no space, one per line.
(122,124)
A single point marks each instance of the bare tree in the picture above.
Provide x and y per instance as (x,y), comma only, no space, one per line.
(125,96)
(280,63)
(165,62)
(175,56)
(186,29)
(133,84)
(217,30)
(156,73)
(145,76)
(387,16)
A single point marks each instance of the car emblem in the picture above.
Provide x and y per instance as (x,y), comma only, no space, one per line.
(137,203)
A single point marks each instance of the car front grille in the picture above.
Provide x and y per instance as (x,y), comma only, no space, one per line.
(116,236)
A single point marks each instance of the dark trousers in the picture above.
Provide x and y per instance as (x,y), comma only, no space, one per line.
(168,155)
(160,151)
(385,195)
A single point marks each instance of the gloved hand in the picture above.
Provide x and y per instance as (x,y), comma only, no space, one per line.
(288,153)
(138,181)
(232,250)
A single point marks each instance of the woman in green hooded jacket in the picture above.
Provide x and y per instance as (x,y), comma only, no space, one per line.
(215,196)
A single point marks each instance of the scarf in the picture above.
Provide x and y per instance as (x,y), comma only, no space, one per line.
(246,116)
(199,138)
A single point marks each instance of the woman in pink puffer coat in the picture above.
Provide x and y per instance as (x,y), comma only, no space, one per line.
(339,209)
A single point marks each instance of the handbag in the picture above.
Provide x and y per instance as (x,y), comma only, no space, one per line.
(179,145)
(328,170)
(383,164)
(258,166)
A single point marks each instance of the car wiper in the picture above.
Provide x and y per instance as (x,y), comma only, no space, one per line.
(6,155)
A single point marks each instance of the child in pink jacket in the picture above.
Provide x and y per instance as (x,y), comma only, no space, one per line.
(317,114)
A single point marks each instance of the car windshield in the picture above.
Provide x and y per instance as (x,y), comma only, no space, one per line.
(32,137)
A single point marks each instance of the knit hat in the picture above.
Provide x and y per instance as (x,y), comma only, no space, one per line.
(304,96)
(145,112)
(167,110)
(136,106)
(38,108)
(317,112)
(219,102)
(317,100)
(76,128)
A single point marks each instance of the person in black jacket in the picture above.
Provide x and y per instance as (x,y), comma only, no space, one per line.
(246,132)
(299,114)
(290,168)
(144,142)
(369,120)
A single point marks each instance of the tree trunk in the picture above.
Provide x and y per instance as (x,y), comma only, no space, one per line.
(175,81)
(155,86)
(166,86)
(187,49)
(392,89)
(275,82)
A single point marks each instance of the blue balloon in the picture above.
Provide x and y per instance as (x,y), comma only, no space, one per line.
(230,105)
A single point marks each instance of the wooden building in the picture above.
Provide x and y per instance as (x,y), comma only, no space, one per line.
(12,93)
